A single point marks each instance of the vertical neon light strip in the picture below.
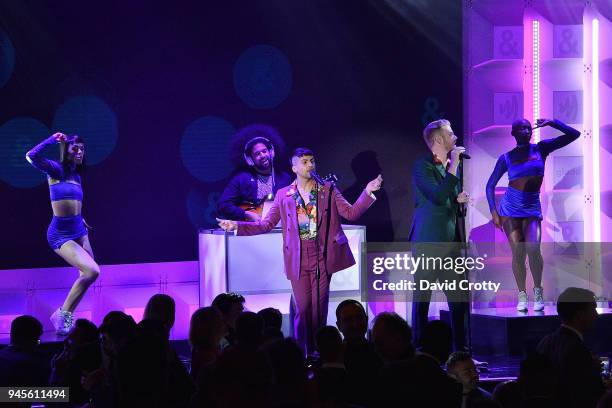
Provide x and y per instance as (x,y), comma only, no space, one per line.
(536,77)
(595,116)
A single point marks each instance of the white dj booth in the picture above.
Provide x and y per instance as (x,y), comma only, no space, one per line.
(253,266)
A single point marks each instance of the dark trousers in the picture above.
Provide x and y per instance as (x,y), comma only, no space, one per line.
(458,300)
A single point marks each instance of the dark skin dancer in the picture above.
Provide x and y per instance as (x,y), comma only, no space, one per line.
(520,215)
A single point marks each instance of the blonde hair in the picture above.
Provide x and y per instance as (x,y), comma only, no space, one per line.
(430,130)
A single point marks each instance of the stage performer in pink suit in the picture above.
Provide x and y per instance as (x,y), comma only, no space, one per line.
(302,207)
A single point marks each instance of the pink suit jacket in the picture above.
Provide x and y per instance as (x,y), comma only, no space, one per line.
(339,255)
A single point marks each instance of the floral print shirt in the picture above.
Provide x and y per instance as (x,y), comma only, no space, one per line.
(306,212)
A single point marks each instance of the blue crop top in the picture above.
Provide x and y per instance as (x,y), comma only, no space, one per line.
(534,164)
(68,186)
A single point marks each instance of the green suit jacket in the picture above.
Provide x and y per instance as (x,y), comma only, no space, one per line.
(435,208)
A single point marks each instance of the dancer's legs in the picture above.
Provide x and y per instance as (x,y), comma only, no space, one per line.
(532,231)
(514,232)
(81,257)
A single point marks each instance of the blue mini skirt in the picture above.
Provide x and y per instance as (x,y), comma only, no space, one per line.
(63,229)
(520,204)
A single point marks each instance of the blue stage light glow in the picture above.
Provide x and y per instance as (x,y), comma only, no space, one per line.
(204,148)
(17,136)
(262,77)
(91,118)
(7,58)
(202,208)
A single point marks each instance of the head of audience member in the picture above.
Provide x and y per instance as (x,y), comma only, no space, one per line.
(461,367)
(437,340)
(270,335)
(537,378)
(271,318)
(352,320)
(577,308)
(508,394)
(329,345)
(161,307)
(206,329)
(249,329)
(392,337)
(152,328)
(287,362)
(230,305)
(116,331)
(84,332)
(25,332)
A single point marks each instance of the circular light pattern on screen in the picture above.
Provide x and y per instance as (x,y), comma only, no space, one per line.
(202,208)
(7,58)
(262,77)
(17,136)
(204,148)
(91,118)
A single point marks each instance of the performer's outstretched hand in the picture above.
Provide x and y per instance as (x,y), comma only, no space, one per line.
(227,225)
(497,220)
(374,185)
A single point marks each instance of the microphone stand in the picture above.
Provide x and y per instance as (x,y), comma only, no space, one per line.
(461,229)
(318,270)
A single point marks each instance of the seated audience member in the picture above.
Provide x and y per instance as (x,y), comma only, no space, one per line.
(271,318)
(537,379)
(149,372)
(21,362)
(241,375)
(392,337)
(206,330)
(579,372)
(422,376)
(362,362)
(142,366)
(461,367)
(249,330)
(161,307)
(290,386)
(230,305)
(508,394)
(273,323)
(330,373)
(116,332)
(81,353)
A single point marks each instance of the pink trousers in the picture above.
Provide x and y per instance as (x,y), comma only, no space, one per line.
(305,322)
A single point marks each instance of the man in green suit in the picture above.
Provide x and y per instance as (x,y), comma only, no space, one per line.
(435,182)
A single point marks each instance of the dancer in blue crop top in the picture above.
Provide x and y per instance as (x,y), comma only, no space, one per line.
(520,212)
(67,233)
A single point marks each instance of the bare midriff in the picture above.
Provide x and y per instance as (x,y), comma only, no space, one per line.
(530,184)
(66,208)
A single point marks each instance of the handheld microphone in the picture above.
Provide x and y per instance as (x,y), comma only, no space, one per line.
(316,177)
(465,156)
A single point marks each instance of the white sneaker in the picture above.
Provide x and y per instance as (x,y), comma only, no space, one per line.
(522,301)
(538,301)
(62,322)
